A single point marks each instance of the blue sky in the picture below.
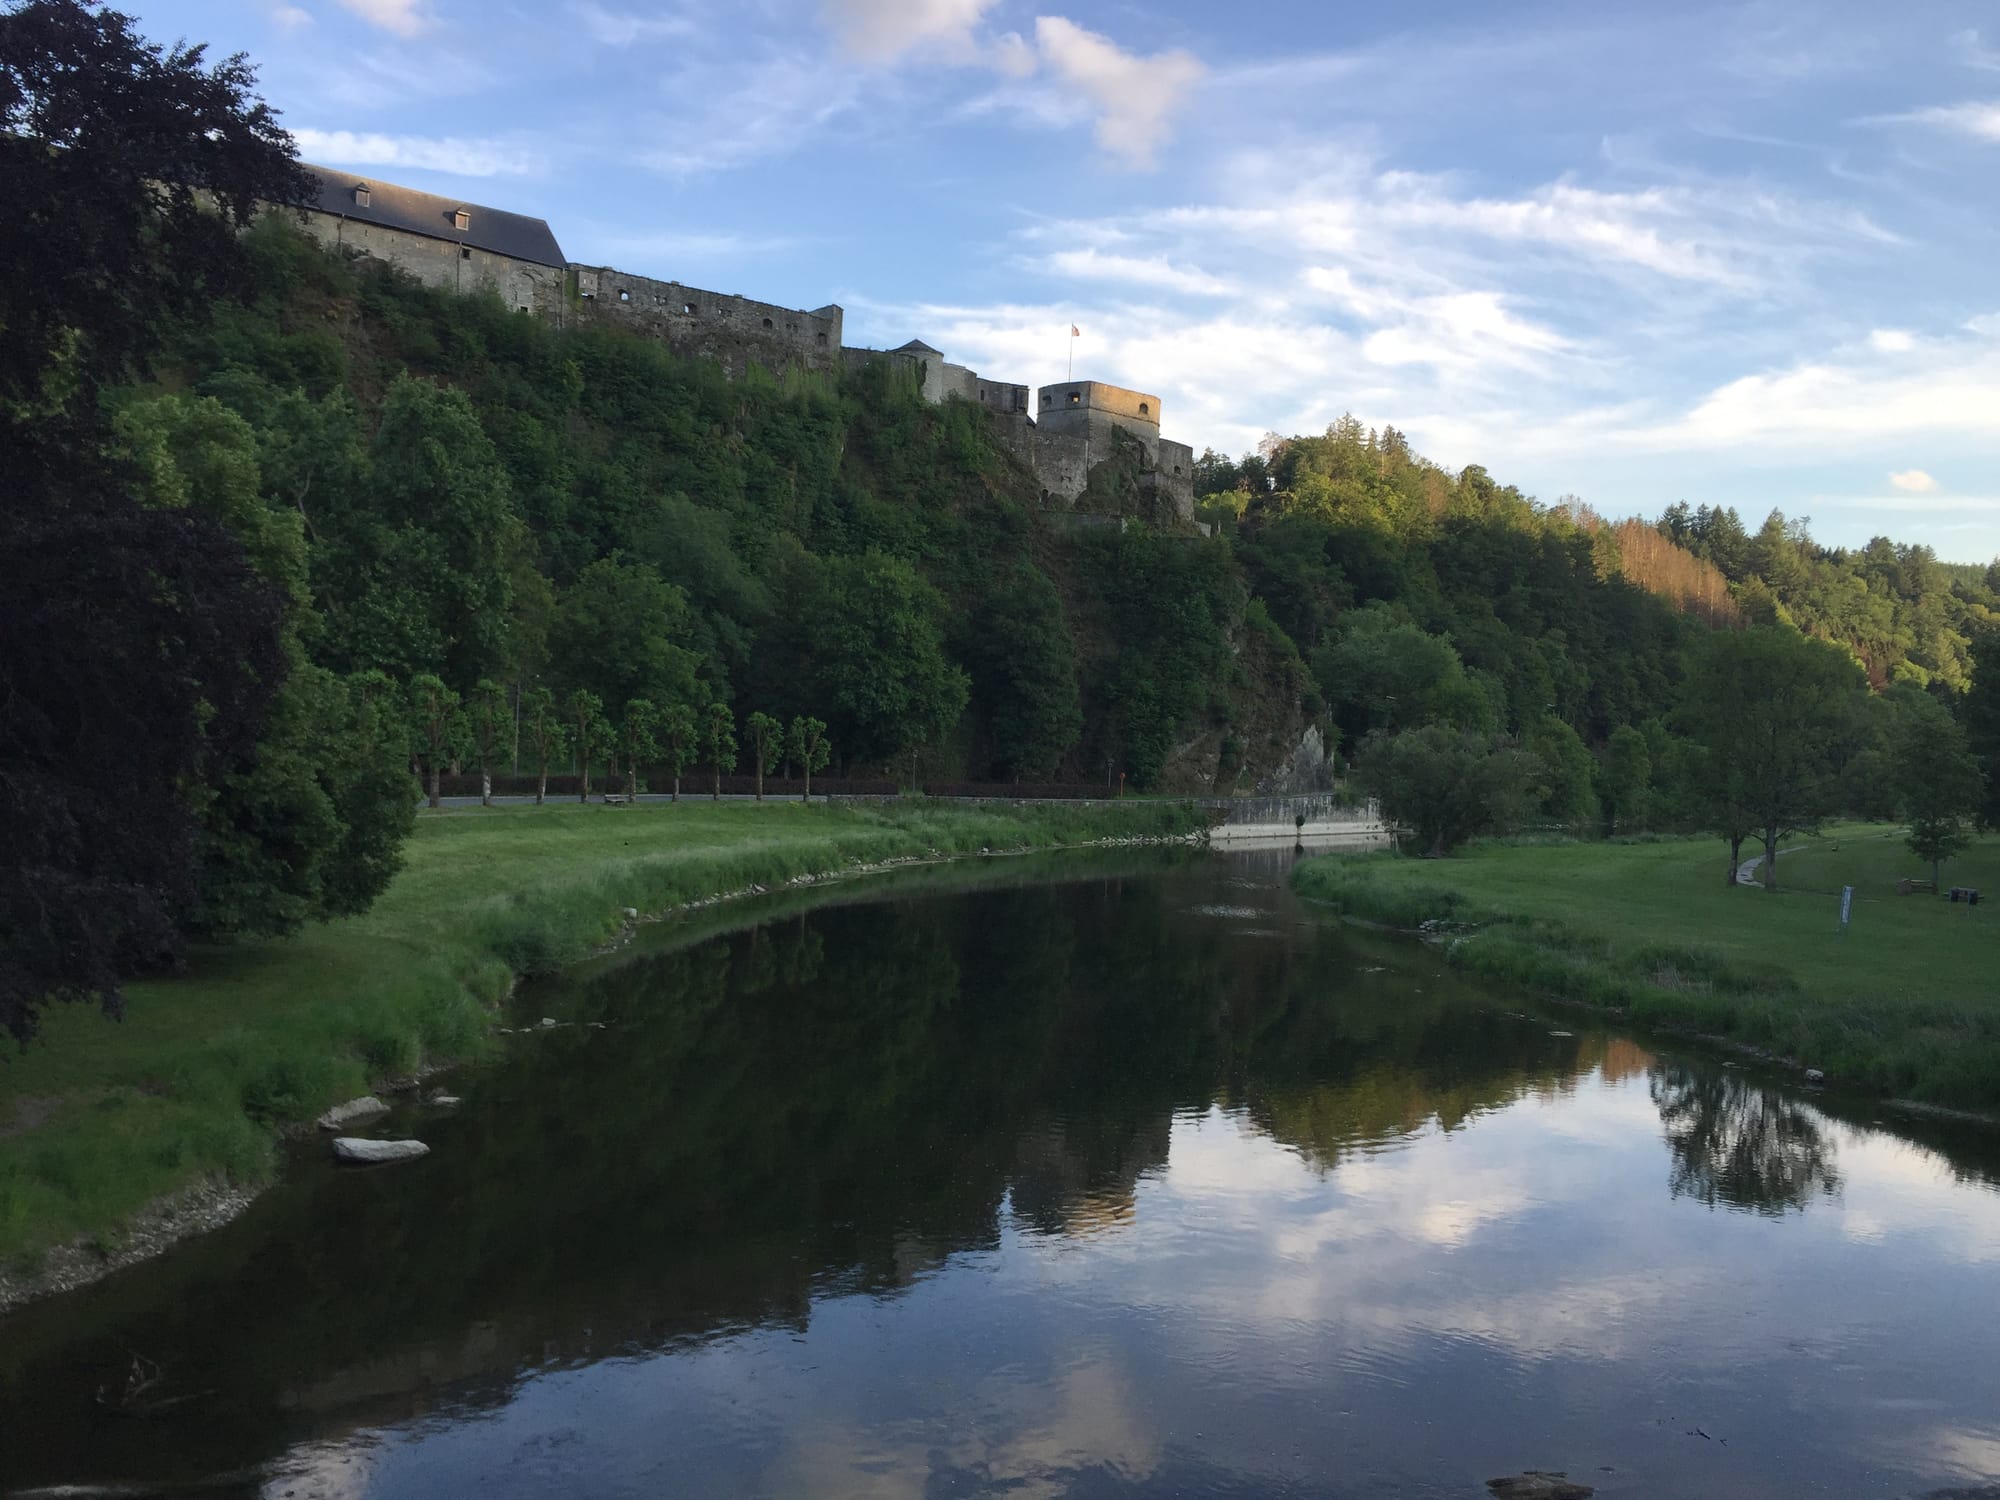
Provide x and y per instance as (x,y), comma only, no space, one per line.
(1738,254)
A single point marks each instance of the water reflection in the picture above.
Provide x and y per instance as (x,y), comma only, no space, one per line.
(1741,1145)
(1147,1183)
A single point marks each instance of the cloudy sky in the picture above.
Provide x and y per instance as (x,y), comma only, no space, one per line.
(1742,254)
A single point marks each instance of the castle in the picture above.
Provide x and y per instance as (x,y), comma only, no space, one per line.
(1069,432)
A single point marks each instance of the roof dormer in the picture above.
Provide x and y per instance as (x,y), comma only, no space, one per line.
(461,219)
(361,195)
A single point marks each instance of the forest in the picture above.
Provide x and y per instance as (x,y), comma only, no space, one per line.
(295,537)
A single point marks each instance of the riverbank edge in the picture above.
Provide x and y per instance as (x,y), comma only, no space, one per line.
(1761,1012)
(211,1201)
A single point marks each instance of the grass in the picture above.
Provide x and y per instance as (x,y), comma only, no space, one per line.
(98,1119)
(1904,1005)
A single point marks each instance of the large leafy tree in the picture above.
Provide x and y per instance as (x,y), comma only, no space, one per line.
(127,169)
(620,632)
(1024,674)
(143,647)
(879,664)
(1981,716)
(1772,713)
(1937,781)
(1447,785)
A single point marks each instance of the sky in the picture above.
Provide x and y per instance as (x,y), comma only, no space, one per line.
(1738,255)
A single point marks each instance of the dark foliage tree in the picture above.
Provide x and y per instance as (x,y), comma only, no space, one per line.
(1447,785)
(127,169)
(1937,783)
(1980,715)
(1024,675)
(142,652)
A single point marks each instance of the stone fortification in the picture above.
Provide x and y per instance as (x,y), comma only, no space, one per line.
(709,325)
(1065,435)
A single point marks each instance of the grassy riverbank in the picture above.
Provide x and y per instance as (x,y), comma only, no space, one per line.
(98,1119)
(1905,1004)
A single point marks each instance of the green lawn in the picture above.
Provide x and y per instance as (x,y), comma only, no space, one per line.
(97,1118)
(1906,1003)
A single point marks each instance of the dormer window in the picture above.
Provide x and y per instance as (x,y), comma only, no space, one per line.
(361,195)
(461,219)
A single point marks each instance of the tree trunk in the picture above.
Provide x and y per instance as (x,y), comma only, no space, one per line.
(718,778)
(632,781)
(434,783)
(1937,877)
(582,779)
(1770,859)
(1735,858)
(807,794)
(485,787)
(542,785)
(677,784)
(760,776)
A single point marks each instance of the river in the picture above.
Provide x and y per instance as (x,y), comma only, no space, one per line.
(1114,1175)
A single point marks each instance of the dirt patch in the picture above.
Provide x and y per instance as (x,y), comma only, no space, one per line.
(27,1114)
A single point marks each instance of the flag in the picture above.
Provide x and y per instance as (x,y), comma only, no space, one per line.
(1075,332)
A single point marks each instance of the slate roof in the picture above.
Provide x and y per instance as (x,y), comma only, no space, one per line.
(917,346)
(394,207)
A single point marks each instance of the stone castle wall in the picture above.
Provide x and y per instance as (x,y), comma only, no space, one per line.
(736,331)
(444,265)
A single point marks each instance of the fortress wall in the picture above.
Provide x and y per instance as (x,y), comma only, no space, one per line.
(1000,396)
(442,264)
(735,331)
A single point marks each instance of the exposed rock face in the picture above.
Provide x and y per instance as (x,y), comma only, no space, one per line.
(354,1149)
(353,1112)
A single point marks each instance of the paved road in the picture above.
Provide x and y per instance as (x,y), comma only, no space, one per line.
(1746,873)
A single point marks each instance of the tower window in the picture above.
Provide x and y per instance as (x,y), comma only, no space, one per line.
(767,322)
(1144,408)
(461,219)
(465,252)
(623,295)
(1076,398)
(688,308)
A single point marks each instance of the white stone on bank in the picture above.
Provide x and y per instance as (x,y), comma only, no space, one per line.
(354,1149)
(353,1112)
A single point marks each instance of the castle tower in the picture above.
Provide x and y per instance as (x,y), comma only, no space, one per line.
(1090,409)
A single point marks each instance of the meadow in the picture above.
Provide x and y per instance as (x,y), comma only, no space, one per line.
(1904,1004)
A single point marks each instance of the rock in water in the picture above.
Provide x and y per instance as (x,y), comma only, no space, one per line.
(353,1112)
(352,1148)
(446,1101)
(1814,1075)
(1539,1484)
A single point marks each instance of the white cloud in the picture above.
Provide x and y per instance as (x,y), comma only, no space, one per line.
(461,157)
(288,17)
(1979,119)
(403,17)
(1011,55)
(1891,341)
(740,113)
(881,31)
(1135,96)
(1913,482)
(1133,270)
(614,28)
(1973,53)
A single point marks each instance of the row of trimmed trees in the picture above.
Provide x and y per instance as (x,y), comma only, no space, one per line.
(449,729)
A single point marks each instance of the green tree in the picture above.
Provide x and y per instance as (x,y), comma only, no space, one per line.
(437,727)
(638,740)
(1938,782)
(767,744)
(1024,674)
(620,630)
(1384,673)
(1980,714)
(879,662)
(587,734)
(807,748)
(490,720)
(720,737)
(1772,711)
(1565,773)
(680,740)
(1624,779)
(548,735)
(1447,785)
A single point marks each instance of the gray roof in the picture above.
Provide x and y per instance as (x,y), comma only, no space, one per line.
(917,346)
(394,207)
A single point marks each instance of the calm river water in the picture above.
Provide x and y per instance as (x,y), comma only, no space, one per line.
(1114,1177)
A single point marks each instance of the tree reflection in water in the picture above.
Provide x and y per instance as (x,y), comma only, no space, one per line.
(1740,1145)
